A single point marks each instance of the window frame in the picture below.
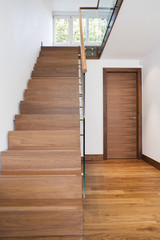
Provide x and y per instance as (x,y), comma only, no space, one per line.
(70,42)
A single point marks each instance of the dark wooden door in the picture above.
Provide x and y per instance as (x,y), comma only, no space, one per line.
(120,114)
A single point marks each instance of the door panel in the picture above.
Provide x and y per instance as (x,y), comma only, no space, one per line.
(120,116)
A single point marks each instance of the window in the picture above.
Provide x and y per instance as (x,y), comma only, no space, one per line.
(66,29)
(62,30)
(84,26)
(76,32)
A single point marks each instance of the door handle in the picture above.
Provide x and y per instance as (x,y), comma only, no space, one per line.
(134,118)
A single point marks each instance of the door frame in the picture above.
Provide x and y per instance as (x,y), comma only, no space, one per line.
(139,107)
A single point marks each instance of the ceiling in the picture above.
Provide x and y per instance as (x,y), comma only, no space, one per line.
(136,31)
(72,5)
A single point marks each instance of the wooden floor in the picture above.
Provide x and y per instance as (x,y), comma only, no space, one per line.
(122,202)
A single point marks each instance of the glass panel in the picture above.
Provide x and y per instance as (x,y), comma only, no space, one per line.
(62,30)
(97,29)
(97,23)
(100,13)
(107,3)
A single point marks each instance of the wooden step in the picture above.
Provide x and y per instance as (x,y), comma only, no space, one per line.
(60,55)
(49,61)
(67,93)
(27,160)
(46,122)
(58,72)
(33,95)
(70,80)
(58,52)
(56,84)
(40,218)
(42,107)
(59,117)
(44,140)
(64,79)
(66,68)
(58,49)
(41,185)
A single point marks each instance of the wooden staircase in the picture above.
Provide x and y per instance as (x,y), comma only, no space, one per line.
(40,182)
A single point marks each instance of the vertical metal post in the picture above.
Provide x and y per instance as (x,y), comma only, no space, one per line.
(84,135)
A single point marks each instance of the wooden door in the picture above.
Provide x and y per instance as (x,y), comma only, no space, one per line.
(120,114)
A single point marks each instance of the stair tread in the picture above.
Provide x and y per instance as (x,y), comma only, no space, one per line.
(56,67)
(41,204)
(35,174)
(45,124)
(48,103)
(51,102)
(69,93)
(60,72)
(57,53)
(44,139)
(52,119)
(35,160)
(49,61)
(61,48)
(68,186)
(72,131)
(38,107)
(53,78)
(63,87)
(56,117)
(37,91)
(41,151)
(43,101)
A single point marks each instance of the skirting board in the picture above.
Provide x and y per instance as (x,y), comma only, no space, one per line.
(93,157)
(151,161)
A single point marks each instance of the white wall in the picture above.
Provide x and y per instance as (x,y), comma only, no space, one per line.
(151,104)
(23,25)
(94,100)
(133,34)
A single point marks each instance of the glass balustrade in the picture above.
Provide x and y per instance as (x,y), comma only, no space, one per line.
(98,25)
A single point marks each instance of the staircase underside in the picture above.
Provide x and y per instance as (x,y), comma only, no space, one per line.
(40,182)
